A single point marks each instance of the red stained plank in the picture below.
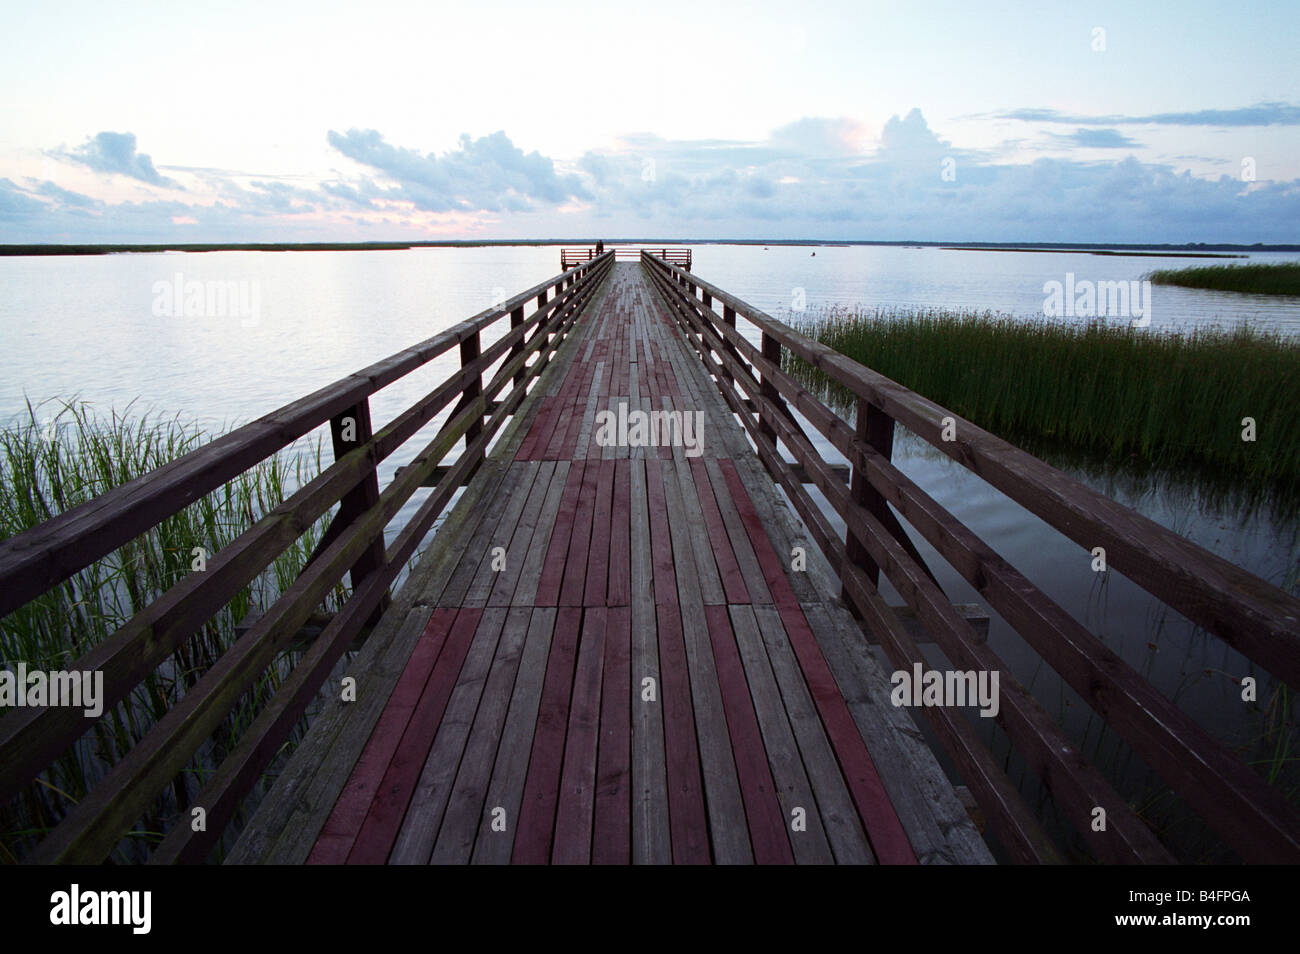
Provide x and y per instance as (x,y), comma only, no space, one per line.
(339,834)
(538,432)
(686,817)
(384,817)
(559,425)
(548,586)
(661,546)
(620,559)
(733,581)
(888,840)
(773,568)
(536,827)
(762,808)
(568,449)
(575,565)
(612,836)
(577,803)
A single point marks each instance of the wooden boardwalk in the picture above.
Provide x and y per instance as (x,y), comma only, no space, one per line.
(606,657)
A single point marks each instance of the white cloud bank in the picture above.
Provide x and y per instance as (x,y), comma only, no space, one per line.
(818,178)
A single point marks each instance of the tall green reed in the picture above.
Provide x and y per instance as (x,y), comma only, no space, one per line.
(1165,400)
(1280,278)
(63,454)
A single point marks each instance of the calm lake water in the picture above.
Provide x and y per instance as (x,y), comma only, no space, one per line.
(87,327)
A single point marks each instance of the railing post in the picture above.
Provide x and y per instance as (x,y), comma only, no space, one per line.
(875,428)
(541,325)
(706,301)
(469,353)
(772,352)
(728,318)
(348,431)
(517,319)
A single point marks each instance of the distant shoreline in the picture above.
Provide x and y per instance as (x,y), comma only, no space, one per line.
(1189,250)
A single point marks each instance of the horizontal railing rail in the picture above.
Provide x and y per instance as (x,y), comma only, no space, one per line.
(39,559)
(675,255)
(1259,620)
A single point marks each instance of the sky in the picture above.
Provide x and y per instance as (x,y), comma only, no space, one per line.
(385,121)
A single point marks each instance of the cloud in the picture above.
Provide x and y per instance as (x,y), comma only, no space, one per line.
(489,174)
(817,136)
(776,187)
(815,178)
(16,202)
(115,153)
(65,197)
(1261,114)
(1100,139)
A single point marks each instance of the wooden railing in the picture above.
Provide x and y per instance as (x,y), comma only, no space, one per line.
(41,558)
(679,255)
(1256,618)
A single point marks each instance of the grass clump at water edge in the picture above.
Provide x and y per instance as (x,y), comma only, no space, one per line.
(1123,393)
(1280,278)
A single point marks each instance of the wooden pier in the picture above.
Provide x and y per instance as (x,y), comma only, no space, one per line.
(632,650)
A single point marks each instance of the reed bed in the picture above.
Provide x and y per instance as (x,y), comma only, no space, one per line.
(1127,394)
(1282,278)
(62,454)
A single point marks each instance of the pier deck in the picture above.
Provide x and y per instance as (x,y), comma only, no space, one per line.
(606,656)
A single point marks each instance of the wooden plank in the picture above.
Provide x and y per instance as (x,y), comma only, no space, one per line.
(709,582)
(522,490)
(598,556)
(620,574)
(553,570)
(730,576)
(793,788)
(575,815)
(575,564)
(651,839)
(534,837)
(494,845)
(514,488)
(728,834)
(772,567)
(766,822)
(612,828)
(424,811)
(530,574)
(687,820)
(466,808)
(746,560)
(503,583)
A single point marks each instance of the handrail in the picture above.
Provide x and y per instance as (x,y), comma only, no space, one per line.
(30,738)
(1236,802)
(676,255)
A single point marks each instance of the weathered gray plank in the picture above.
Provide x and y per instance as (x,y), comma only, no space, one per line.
(793,788)
(728,832)
(839,816)
(506,789)
(650,833)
